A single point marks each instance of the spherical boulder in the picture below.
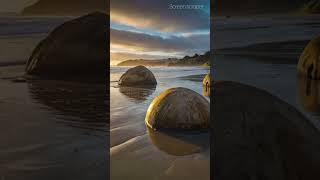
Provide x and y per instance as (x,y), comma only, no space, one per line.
(76,48)
(178,108)
(309,62)
(207,81)
(252,126)
(138,76)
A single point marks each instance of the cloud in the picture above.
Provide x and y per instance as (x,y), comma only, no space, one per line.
(157,15)
(118,57)
(148,43)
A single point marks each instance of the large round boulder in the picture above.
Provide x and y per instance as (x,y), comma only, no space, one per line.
(138,76)
(256,135)
(309,62)
(178,108)
(76,48)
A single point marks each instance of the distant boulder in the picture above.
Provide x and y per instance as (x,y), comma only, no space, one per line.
(178,108)
(309,62)
(76,48)
(207,83)
(138,76)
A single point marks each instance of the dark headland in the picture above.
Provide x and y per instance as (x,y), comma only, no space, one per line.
(195,60)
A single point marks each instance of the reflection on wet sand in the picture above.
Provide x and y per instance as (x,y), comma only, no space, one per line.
(179,143)
(84,102)
(138,94)
(309,94)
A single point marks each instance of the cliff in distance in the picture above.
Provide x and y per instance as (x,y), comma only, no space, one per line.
(196,60)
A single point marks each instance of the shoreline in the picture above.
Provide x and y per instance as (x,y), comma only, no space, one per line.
(287,52)
(196,78)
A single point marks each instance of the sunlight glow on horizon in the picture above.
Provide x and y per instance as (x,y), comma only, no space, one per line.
(175,41)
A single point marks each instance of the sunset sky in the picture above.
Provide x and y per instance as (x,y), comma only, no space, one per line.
(149,29)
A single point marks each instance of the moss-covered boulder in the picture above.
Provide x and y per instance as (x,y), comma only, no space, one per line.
(178,108)
(309,62)
(138,76)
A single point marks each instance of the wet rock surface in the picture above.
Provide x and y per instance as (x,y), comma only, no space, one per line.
(207,81)
(257,136)
(178,108)
(309,64)
(138,76)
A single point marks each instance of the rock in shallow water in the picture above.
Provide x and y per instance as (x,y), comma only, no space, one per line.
(138,76)
(309,62)
(258,136)
(178,108)
(76,48)
(207,81)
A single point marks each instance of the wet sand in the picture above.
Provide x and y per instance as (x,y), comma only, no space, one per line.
(49,129)
(237,32)
(48,134)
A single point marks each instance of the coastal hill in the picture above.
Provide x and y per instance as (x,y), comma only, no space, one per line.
(66,7)
(254,7)
(196,60)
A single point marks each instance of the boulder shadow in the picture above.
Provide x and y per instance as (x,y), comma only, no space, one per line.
(180,143)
